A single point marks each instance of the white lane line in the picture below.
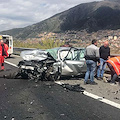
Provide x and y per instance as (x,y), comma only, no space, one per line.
(85,93)
(11,64)
(102,99)
(97,97)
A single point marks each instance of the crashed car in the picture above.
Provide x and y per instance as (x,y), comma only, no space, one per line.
(72,61)
(38,65)
(51,64)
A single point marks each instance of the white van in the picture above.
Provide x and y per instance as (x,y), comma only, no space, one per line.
(9,41)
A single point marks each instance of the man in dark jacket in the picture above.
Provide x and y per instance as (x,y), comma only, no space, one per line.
(92,57)
(104,52)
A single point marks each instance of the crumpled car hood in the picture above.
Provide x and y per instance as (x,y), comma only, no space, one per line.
(34,55)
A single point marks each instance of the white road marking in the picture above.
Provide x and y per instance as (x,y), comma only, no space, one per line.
(102,99)
(97,97)
(85,93)
(11,64)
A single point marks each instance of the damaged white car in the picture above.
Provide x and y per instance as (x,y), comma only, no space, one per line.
(51,64)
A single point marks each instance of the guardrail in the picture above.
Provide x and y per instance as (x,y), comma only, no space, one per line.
(114,55)
(17,50)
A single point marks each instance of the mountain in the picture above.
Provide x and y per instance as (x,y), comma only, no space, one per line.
(113,0)
(92,17)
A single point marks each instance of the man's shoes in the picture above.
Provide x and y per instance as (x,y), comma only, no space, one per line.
(93,83)
(113,84)
(2,68)
(85,83)
(98,78)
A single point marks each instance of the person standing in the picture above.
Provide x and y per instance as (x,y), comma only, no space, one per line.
(104,52)
(92,57)
(3,53)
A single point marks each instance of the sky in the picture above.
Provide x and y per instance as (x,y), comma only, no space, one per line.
(21,13)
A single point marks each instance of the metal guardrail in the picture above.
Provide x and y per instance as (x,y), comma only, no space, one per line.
(114,55)
(17,50)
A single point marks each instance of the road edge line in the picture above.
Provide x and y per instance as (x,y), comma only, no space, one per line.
(101,99)
(11,64)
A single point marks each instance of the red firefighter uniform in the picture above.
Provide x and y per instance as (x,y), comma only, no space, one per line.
(3,54)
(115,62)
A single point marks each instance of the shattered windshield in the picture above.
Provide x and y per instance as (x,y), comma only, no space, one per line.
(79,54)
(72,54)
(66,54)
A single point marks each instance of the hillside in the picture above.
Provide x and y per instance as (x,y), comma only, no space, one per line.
(92,17)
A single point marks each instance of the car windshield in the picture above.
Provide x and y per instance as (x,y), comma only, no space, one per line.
(79,54)
(67,54)
(72,54)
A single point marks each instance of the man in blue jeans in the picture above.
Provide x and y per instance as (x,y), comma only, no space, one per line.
(92,57)
(104,52)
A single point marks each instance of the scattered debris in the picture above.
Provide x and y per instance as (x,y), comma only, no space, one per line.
(116,98)
(5,117)
(32,102)
(13,118)
(62,114)
(101,98)
(22,103)
(28,117)
(116,92)
(75,88)
(41,112)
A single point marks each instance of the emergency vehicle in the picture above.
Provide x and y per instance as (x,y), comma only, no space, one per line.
(9,41)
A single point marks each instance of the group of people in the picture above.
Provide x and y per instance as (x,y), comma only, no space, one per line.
(96,60)
(3,52)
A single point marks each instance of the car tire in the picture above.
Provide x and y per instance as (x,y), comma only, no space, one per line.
(55,77)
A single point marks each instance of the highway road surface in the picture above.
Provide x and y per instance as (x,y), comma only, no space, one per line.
(26,100)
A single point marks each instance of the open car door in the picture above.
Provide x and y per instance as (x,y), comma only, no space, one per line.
(73,61)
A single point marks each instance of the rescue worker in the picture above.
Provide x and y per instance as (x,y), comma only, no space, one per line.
(114,66)
(6,46)
(3,52)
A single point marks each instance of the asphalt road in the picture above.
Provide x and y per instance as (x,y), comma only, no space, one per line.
(25,100)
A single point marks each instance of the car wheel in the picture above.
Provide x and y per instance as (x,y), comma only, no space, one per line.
(55,76)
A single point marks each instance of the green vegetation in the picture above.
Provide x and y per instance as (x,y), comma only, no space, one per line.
(43,44)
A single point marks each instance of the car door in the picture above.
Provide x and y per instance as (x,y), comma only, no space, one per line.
(73,62)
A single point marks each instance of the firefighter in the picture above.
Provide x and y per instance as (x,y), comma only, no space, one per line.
(3,52)
(114,66)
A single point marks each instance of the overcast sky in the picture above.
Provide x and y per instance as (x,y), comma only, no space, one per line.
(21,13)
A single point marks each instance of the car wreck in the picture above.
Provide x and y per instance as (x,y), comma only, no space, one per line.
(51,64)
